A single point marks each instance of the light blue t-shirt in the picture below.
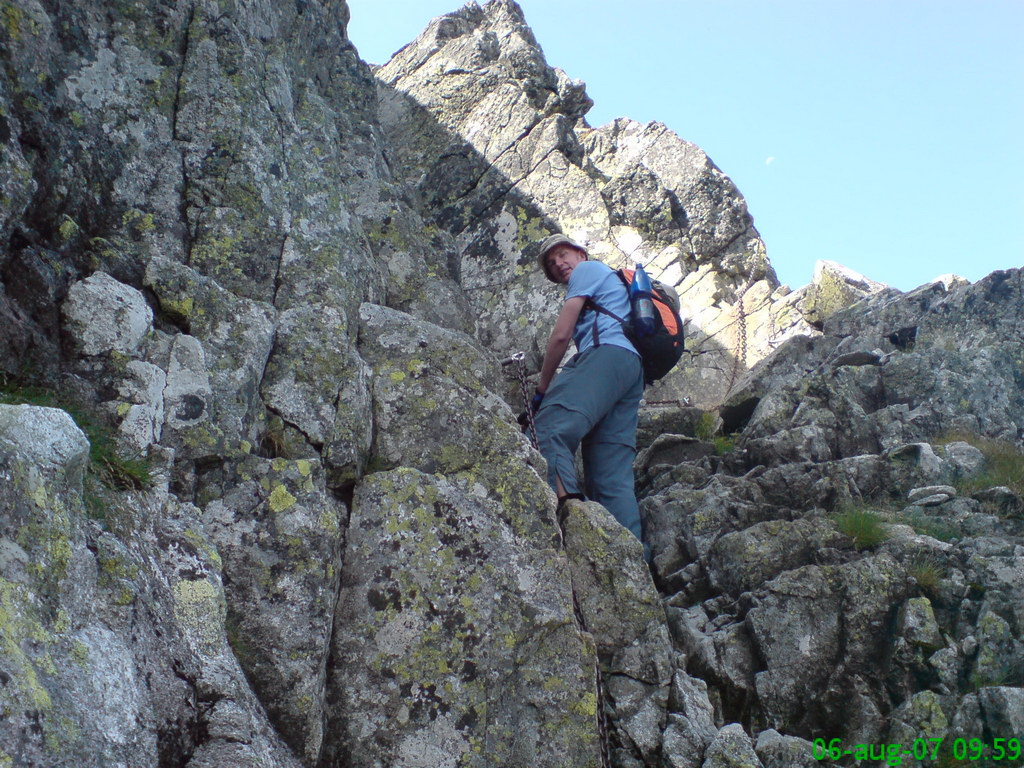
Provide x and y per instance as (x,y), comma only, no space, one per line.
(599,283)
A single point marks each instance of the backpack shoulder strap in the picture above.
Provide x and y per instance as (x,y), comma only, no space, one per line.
(591,304)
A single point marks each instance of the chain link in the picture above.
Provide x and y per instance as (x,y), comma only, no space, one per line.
(741,341)
(519,359)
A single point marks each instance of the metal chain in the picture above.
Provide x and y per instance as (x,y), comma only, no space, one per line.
(772,329)
(519,359)
(741,332)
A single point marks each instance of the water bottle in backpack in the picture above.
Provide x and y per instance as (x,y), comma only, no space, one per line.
(642,304)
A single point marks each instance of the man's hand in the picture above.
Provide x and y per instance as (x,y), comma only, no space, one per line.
(538,398)
(533,406)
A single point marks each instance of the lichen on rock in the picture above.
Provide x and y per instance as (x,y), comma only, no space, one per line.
(455,634)
(285,280)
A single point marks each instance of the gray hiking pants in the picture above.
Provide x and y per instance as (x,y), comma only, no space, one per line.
(594,401)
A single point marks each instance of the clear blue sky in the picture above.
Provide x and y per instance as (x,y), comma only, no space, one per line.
(887,135)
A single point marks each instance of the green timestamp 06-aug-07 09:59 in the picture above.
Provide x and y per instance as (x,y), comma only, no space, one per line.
(921,750)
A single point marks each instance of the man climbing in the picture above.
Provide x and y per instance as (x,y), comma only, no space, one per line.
(595,398)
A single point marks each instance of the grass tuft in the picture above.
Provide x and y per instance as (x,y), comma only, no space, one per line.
(1004,463)
(864,526)
(928,572)
(1006,675)
(724,444)
(705,427)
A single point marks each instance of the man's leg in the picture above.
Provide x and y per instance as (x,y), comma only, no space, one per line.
(608,453)
(588,387)
(559,432)
(609,476)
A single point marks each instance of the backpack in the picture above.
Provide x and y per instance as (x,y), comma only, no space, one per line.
(660,351)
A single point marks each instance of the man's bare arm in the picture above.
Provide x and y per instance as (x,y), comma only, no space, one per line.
(560,338)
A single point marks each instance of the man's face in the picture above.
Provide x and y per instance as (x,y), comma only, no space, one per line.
(562,260)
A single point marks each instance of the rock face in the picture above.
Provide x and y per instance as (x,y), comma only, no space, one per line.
(115,636)
(456,645)
(285,281)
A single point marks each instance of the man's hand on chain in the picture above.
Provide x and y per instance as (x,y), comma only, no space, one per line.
(536,400)
(525,419)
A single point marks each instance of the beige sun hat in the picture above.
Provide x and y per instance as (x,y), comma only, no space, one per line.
(549,244)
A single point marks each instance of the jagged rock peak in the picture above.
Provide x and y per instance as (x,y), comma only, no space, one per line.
(490,41)
(494,141)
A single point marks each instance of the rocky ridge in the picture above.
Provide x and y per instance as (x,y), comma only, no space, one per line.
(275,272)
(860,530)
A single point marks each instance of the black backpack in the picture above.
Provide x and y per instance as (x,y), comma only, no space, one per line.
(660,351)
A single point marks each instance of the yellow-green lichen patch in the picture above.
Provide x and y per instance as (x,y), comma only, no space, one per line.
(199,608)
(44,663)
(994,637)
(79,653)
(61,622)
(219,256)
(61,734)
(329,522)
(13,20)
(38,496)
(68,228)
(48,538)
(929,719)
(520,492)
(437,603)
(455,458)
(281,499)
(21,631)
(113,568)
(530,229)
(591,538)
(205,439)
(138,222)
(179,310)
(571,694)
(587,706)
